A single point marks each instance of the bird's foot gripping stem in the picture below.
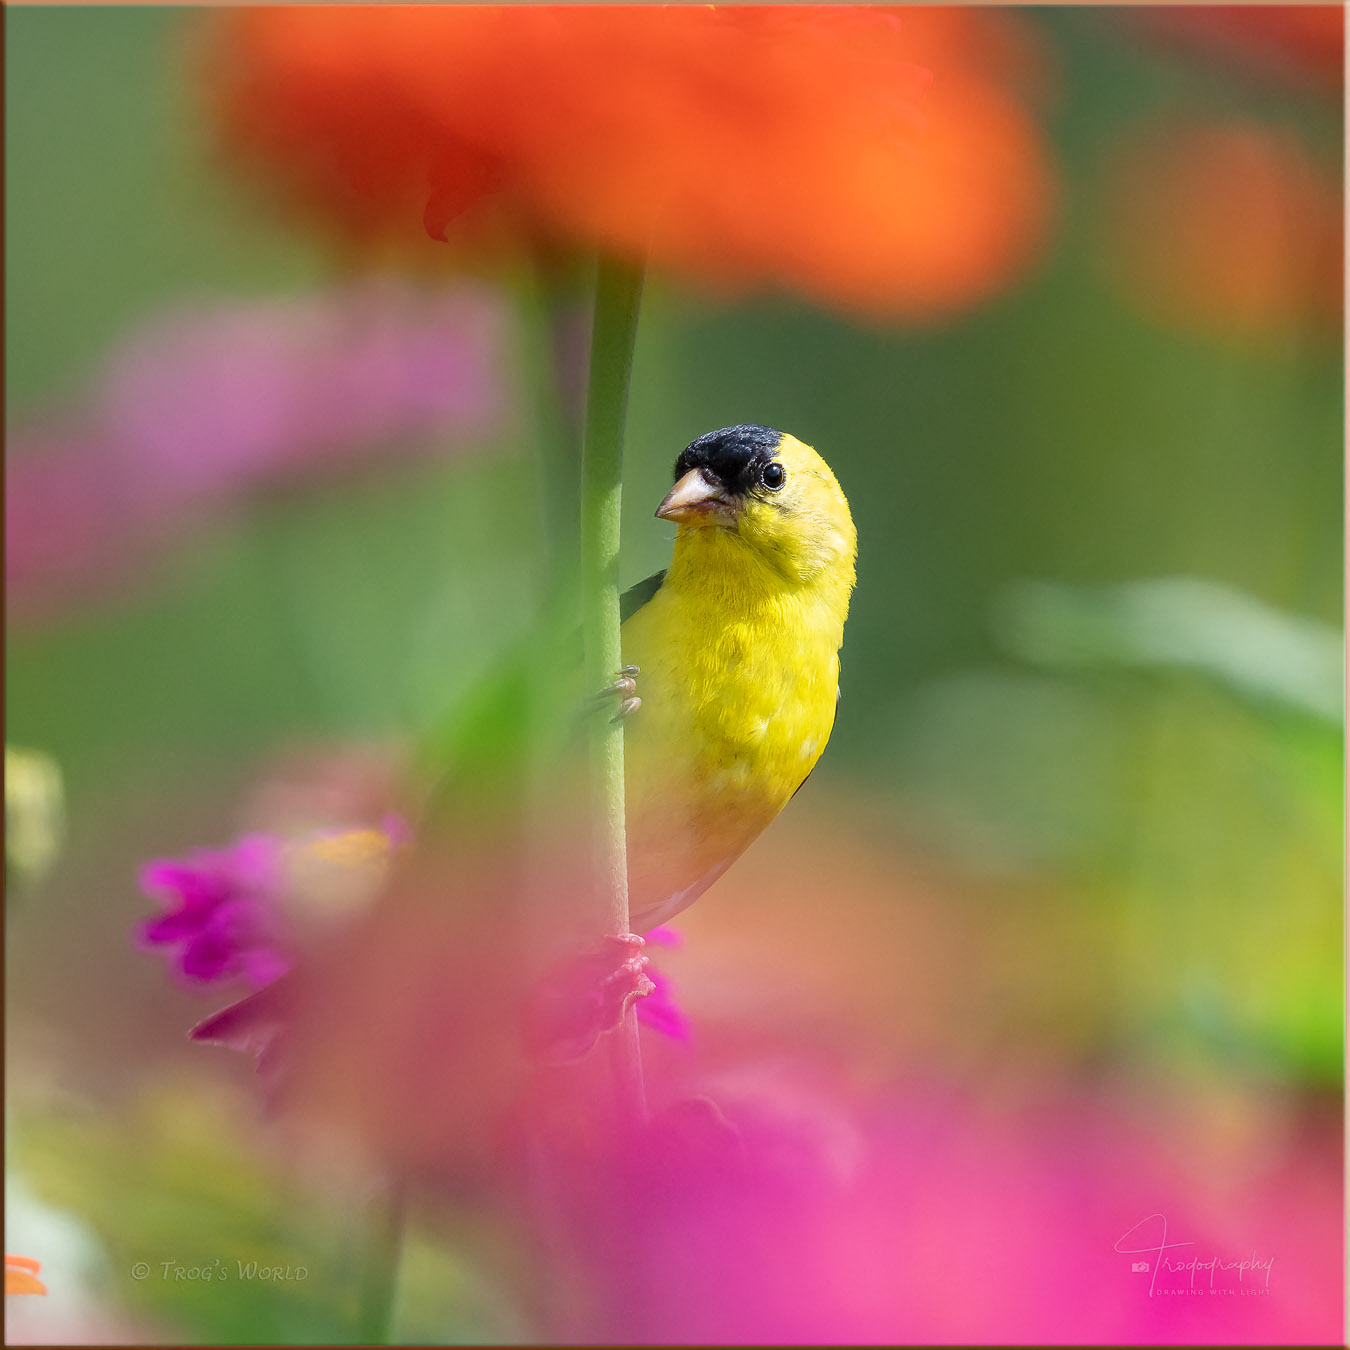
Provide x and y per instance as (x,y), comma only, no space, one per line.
(624,689)
(584,996)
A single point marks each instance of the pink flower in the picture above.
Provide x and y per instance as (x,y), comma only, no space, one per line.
(221,922)
(200,408)
(794,1206)
(226,919)
(659,1010)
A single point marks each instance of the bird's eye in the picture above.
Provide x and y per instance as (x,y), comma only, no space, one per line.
(774,476)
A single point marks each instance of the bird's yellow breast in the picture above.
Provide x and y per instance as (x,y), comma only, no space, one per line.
(739,682)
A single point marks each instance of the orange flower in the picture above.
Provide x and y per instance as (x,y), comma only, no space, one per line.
(790,146)
(1229,228)
(21,1275)
(1296,44)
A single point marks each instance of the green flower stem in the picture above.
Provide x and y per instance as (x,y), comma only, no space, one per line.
(618,294)
(379,1270)
(547,303)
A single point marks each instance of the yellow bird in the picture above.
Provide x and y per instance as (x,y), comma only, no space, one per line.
(736,646)
(736,650)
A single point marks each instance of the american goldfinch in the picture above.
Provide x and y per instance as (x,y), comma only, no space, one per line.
(736,650)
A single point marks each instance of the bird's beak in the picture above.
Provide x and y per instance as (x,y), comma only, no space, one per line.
(694,496)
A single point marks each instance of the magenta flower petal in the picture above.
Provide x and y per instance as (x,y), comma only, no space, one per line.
(203,407)
(665,936)
(660,1011)
(262,966)
(221,921)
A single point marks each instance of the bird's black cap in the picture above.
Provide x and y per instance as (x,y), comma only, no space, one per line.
(735,456)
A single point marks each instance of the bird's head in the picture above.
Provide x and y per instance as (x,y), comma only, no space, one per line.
(772,492)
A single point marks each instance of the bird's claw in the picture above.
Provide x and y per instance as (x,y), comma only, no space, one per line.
(624,689)
(628,980)
(585,996)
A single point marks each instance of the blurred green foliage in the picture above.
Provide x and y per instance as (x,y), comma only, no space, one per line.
(184,1193)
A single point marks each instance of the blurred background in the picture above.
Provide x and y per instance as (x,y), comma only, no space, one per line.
(1056,927)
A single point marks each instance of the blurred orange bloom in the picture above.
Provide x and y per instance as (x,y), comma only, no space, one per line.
(878,160)
(1297,44)
(1230,228)
(21,1275)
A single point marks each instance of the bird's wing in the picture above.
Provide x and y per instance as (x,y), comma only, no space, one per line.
(635,597)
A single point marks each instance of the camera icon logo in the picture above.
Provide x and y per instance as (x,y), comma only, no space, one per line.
(1139,1267)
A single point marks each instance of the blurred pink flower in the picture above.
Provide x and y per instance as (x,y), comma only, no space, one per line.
(221,922)
(227,904)
(813,1212)
(201,407)
(227,909)
(253,910)
(660,1010)
(787,1194)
